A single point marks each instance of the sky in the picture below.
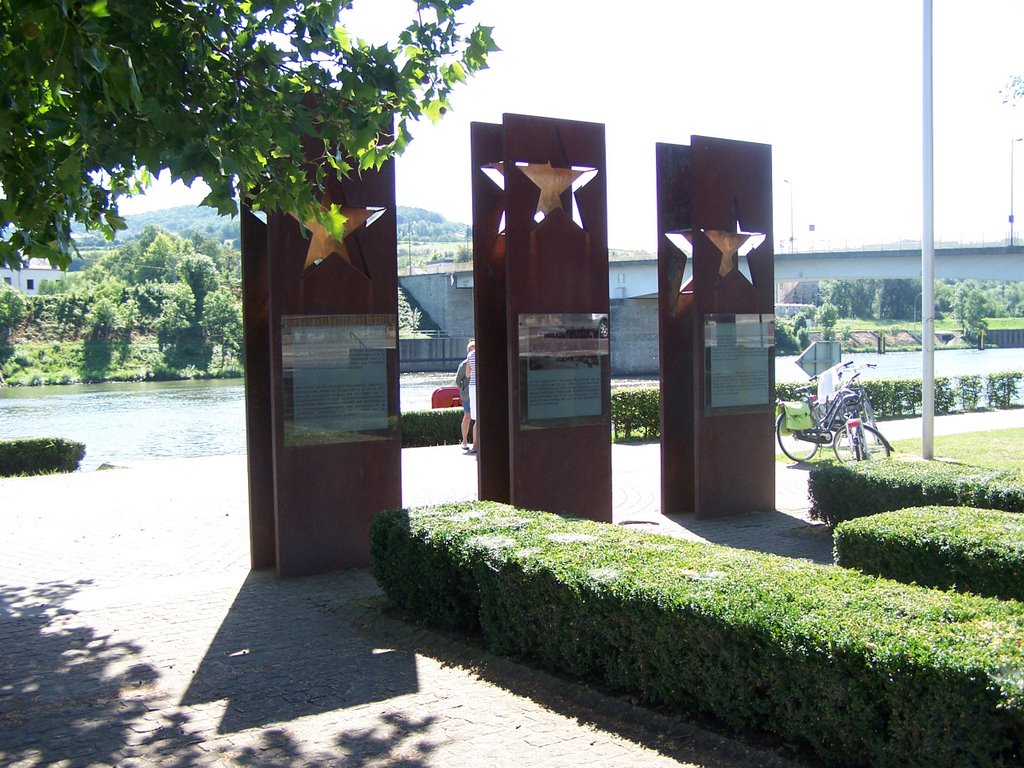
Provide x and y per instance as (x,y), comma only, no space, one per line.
(834,87)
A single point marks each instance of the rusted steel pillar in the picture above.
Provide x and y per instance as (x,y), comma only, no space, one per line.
(322,411)
(541,285)
(717,329)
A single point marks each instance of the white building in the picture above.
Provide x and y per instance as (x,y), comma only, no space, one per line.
(32,274)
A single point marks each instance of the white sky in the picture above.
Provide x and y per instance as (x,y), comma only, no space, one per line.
(834,87)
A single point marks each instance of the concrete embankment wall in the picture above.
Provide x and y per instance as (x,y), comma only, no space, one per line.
(1010,337)
(449,302)
(428,355)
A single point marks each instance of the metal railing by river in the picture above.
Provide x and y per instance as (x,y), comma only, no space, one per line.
(126,423)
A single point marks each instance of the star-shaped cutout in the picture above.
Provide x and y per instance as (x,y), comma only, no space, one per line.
(683,240)
(322,244)
(496,173)
(552,182)
(733,245)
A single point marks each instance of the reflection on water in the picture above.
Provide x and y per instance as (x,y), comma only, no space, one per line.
(120,423)
(123,423)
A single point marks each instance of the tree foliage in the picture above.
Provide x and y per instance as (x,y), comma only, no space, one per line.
(12,306)
(970,309)
(98,95)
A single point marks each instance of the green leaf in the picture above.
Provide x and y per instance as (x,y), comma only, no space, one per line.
(341,37)
(115,221)
(95,59)
(223,202)
(98,9)
(333,220)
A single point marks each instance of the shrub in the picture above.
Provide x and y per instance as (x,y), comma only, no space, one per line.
(962,548)
(440,426)
(39,456)
(1001,389)
(846,491)
(636,413)
(969,390)
(861,671)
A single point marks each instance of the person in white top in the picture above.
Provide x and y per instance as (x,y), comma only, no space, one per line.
(471,358)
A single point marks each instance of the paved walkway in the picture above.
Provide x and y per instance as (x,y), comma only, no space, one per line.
(133,633)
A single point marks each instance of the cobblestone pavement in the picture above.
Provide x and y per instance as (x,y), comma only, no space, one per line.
(132,632)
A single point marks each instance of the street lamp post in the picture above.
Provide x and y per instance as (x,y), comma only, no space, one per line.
(1013,142)
(792,238)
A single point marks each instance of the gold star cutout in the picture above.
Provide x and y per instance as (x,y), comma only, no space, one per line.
(552,183)
(323,245)
(733,245)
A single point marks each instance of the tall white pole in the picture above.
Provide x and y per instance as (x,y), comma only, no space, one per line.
(928,254)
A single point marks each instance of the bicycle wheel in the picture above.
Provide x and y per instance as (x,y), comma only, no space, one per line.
(866,411)
(869,446)
(797,450)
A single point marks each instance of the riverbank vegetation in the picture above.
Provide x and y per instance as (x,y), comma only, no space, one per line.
(865,315)
(159,306)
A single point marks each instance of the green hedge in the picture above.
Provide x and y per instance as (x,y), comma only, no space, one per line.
(39,456)
(441,426)
(636,413)
(856,670)
(962,548)
(846,491)
(896,398)
(636,410)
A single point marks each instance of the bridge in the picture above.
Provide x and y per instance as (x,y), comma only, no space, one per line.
(447,297)
(639,279)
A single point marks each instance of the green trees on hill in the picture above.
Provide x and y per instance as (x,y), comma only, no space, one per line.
(181,290)
(177,296)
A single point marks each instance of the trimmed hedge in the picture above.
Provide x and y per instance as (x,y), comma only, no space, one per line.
(636,410)
(440,426)
(635,416)
(860,671)
(636,413)
(39,456)
(899,398)
(846,491)
(962,548)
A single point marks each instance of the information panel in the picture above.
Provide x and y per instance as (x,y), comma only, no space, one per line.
(563,365)
(336,377)
(737,361)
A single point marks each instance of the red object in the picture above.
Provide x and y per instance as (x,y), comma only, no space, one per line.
(446,397)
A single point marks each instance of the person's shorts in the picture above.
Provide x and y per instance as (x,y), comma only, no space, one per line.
(466,405)
(472,399)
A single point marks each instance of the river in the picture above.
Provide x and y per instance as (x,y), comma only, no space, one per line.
(125,423)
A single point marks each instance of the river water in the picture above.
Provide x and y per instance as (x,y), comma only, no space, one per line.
(125,423)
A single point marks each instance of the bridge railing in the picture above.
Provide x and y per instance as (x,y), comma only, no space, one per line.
(869,243)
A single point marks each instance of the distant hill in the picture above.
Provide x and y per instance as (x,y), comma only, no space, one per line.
(424,226)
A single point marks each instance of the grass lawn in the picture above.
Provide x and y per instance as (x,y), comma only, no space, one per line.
(999,449)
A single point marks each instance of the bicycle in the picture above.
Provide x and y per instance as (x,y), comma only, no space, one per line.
(837,414)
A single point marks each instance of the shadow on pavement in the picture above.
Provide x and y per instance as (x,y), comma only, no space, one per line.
(288,648)
(68,693)
(775,533)
(616,714)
